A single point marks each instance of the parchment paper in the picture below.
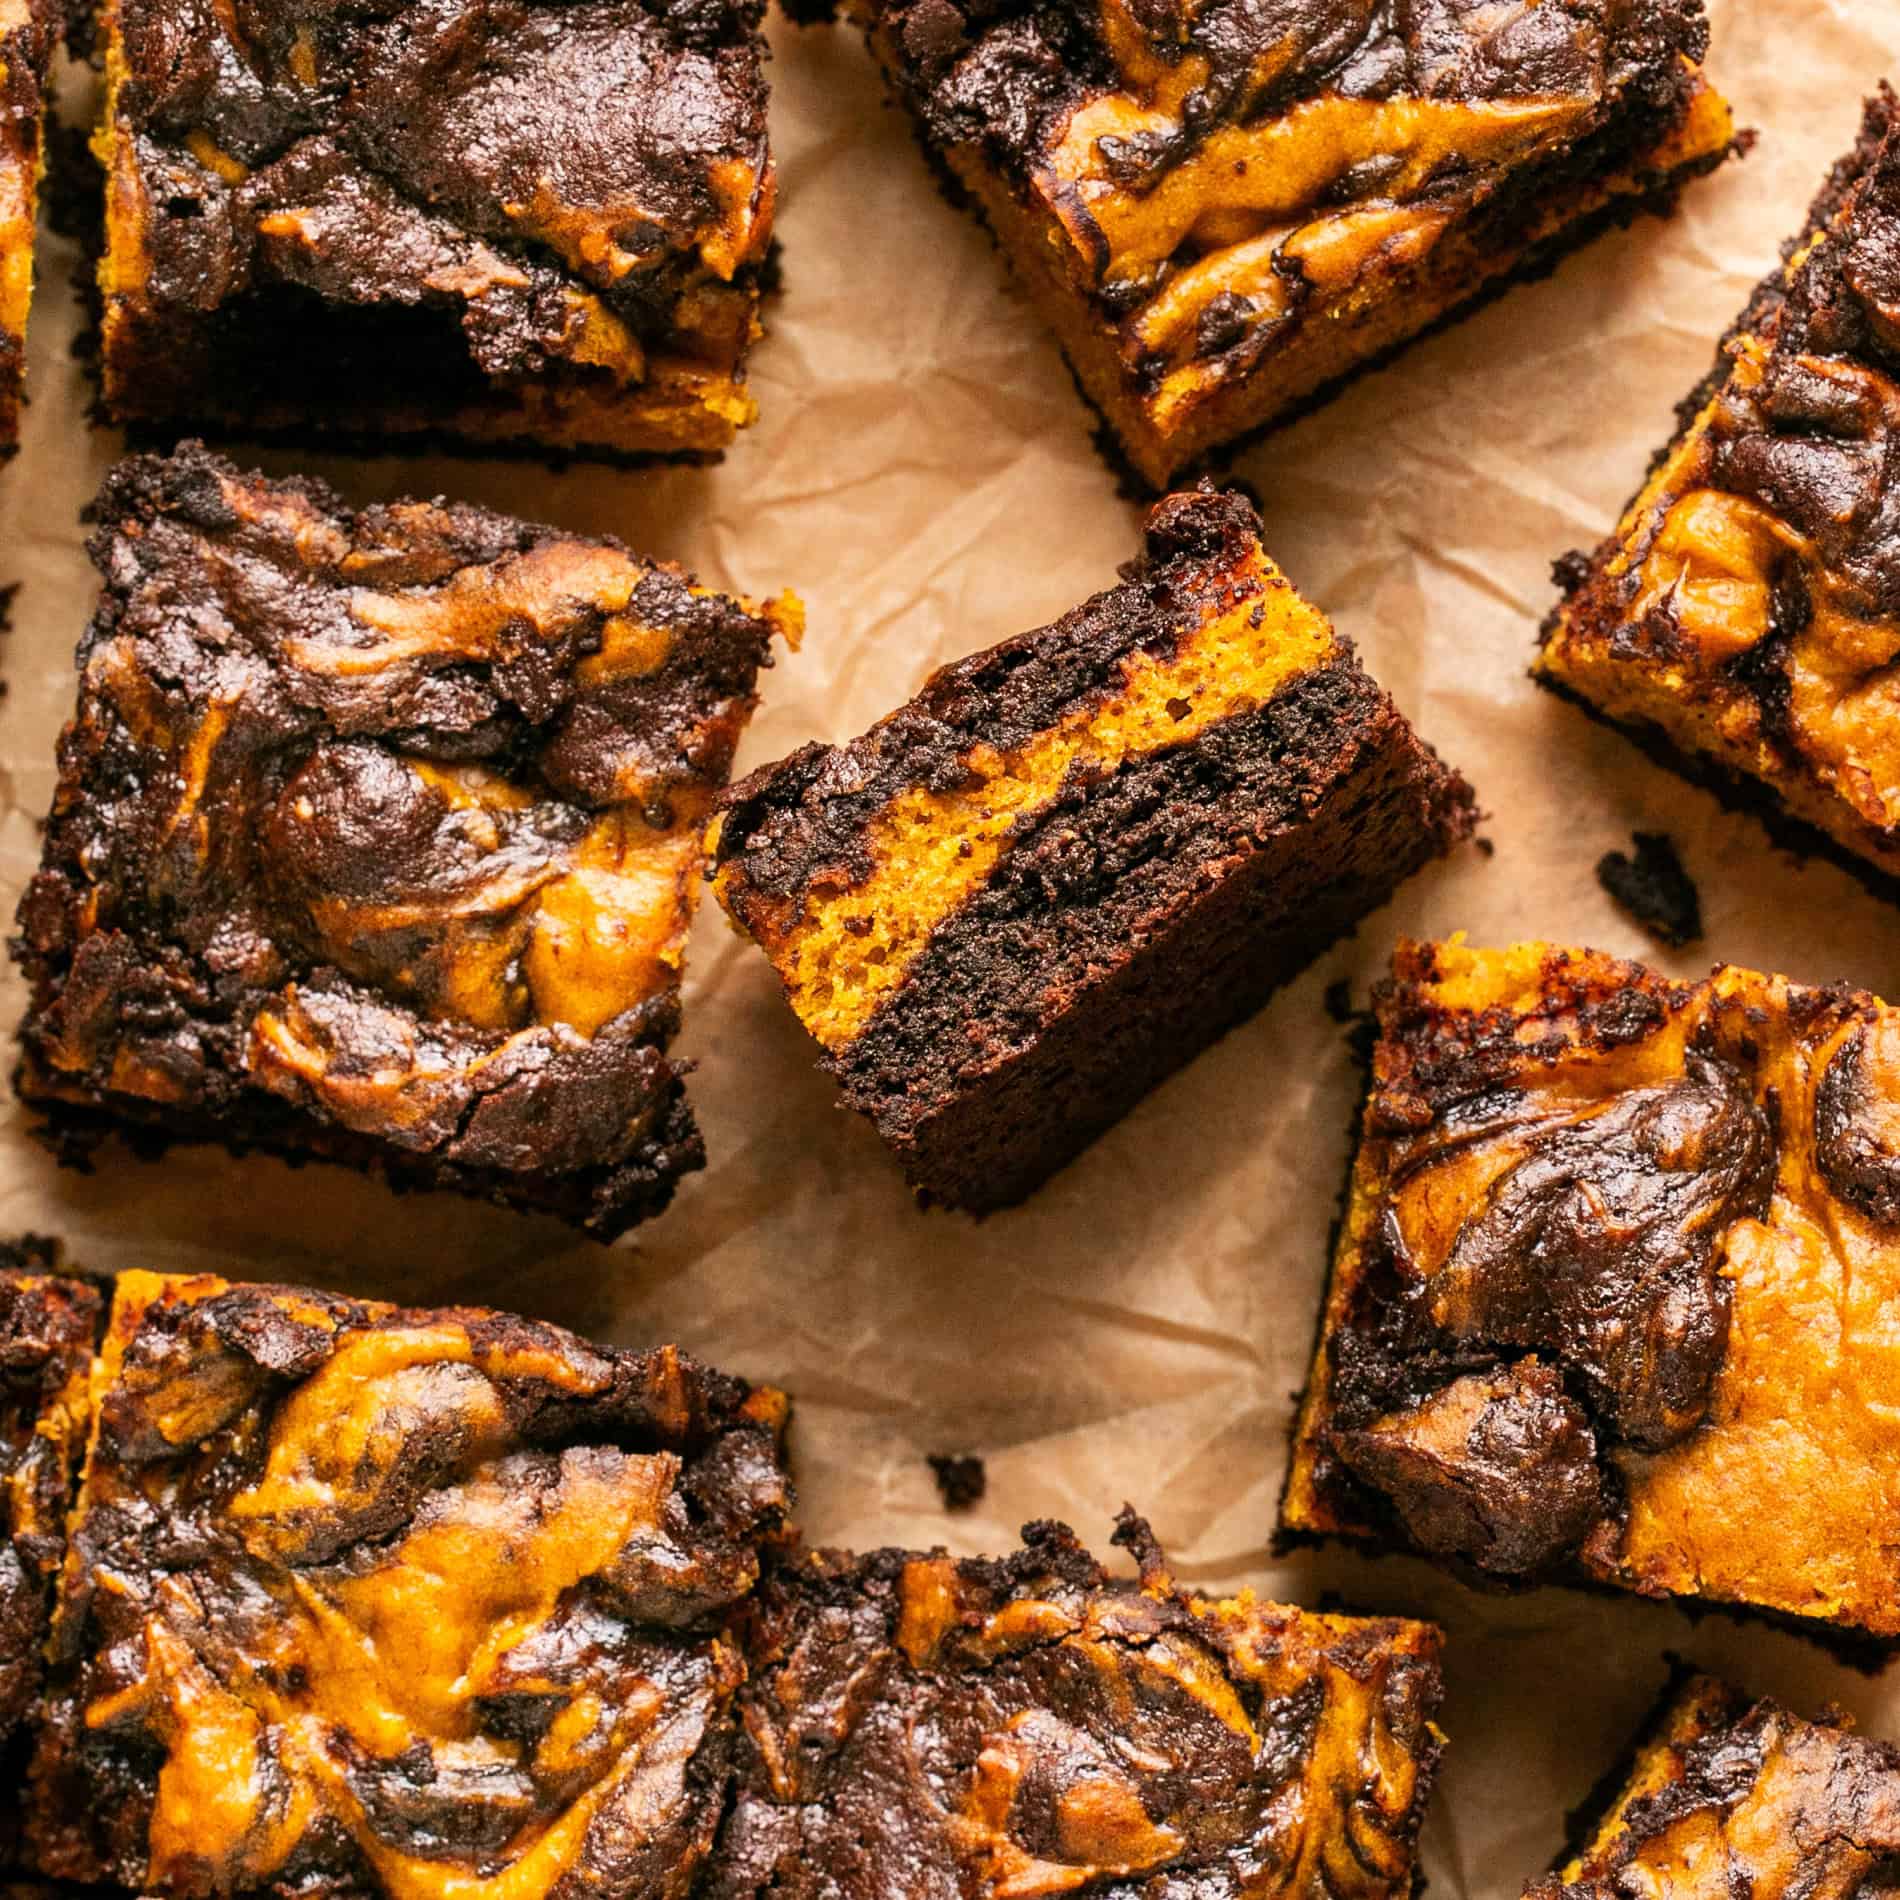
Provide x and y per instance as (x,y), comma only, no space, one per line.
(923,475)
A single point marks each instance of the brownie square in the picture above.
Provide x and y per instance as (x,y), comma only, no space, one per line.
(915,1723)
(49,1323)
(1222,210)
(367,1600)
(28,30)
(377,836)
(1613,1294)
(1732,1797)
(1741,618)
(1071,862)
(540,222)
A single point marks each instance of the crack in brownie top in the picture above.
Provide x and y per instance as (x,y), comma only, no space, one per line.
(367,1599)
(583,181)
(1215,167)
(1026,1726)
(1732,1798)
(1757,577)
(392,817)
(1614,1275)
(840,861)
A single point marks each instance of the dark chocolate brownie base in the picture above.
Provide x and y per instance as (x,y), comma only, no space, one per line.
(1238,860)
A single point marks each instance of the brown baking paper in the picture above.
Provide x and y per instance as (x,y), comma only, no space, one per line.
(923,475)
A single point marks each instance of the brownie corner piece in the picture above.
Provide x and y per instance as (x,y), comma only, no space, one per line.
(1783,1806)
(1614,1272)
(376,837)
(1071,862)
(1026,1724)
(543,224)
(1223,213)
(49,1322)
(373,1600)
(28,32)
(1739,619)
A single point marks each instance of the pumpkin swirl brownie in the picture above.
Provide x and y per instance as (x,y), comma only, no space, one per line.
(1618,1265)
(918,1725)
(1222,209)
(28,31)
(49,1325)
(377,836)
(406,1602)
(1727,1797)
(540,222)
(1745,615)
(1071,862)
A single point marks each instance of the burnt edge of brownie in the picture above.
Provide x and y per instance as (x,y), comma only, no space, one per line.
(256,1347)
(1053,1561)
(720,645)
(1578,572)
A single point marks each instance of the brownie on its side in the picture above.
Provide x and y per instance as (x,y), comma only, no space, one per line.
(28,30)
(1614,1291)
(1073,861)
(540,222)
(1745,615)
(1223,209)
(917,1725)
(1728,1797)
(364,1600)
(377,837)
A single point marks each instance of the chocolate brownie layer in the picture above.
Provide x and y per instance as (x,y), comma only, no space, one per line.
(1614,1269)
(1224,209)
(1726,1797)
(495,218)
(916,1725)
(362,1599)
(1744,609)
(377,837)
(1071,862)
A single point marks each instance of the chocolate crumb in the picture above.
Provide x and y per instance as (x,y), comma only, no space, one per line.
(1486,847)
(960,1478)
(1654,889)
(1339,1001)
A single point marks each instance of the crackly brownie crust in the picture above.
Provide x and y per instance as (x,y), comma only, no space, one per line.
(920,1724)
(498,220)
(1072,861)
(377,838)
(362,1599)
(1224,212)
(1740,616)
(1613,1271)
(1726,1797)
(28,29)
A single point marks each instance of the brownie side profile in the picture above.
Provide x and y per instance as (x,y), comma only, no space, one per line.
(363,1600)
(28,30)
(1612,1294)
(1224,210)
(376,838)
(1729,1797)
(49,1324)
(918,1725)
(1073,861)
(1740,619)
(543,223)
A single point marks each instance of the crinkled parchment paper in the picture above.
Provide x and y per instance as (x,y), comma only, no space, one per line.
(923,476)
